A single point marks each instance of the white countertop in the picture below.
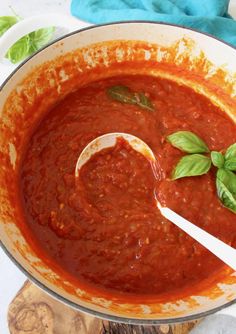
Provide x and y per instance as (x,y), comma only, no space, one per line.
(11,279)
(26,8)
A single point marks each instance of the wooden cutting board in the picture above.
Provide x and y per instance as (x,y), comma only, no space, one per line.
(34,312)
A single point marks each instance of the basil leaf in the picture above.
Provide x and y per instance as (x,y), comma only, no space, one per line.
(192,165)
(125,95)
(230,164)
(188,142)
(228,178)
(217,159)
(226,196)
(121,94)
(29,44)
(143,101)
(230,152)
(39,38)
(6,22)
(19,50)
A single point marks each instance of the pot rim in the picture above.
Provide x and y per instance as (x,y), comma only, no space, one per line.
(99,314)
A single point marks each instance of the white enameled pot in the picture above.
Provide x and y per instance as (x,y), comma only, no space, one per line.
(177,53)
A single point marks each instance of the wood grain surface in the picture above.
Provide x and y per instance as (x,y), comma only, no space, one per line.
(34,312)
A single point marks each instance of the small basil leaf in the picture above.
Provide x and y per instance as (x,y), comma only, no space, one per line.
(6,22)
(228,178)
(144,102)
(39,38)
(227,198)
(217,159)
(121,94)
(188,142)
(192,165)
(125,95)
(230,152)
(230,164)
(19,50)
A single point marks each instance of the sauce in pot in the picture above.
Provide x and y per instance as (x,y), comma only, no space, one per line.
(104,229)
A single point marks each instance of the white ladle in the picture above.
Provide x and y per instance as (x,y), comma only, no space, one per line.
(223,251)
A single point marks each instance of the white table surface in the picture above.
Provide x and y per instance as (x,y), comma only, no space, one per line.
(11,278)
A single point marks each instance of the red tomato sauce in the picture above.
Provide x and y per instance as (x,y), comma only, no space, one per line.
(104,228)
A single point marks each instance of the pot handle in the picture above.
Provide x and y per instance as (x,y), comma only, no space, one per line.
(28,25)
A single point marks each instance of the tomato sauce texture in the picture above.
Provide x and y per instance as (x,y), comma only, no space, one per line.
(103,228)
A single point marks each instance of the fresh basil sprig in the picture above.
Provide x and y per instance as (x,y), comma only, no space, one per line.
(226,188)
(28,44)
(230,152)
(228,178)
(188,142)
(19,50)
(123,94)
(7,22)
(217,159)
(40,38)
(195,164)
(230,164)
(192,165)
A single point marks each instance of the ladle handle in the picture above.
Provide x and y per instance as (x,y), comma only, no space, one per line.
(223,251)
